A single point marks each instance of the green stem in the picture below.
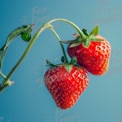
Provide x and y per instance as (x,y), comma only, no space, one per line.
(62,47)
(2,75)
(42,28)
(71,23)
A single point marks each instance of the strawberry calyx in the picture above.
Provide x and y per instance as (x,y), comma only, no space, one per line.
(67,65)
(85,39)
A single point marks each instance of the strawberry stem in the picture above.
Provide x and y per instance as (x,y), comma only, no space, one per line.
(41,29)
(82,35)
(62,47)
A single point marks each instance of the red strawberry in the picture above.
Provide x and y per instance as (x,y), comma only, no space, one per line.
(95,58)
(66,86)
(93,53)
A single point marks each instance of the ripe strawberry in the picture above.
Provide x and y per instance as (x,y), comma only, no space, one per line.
(92,53)
(66,86)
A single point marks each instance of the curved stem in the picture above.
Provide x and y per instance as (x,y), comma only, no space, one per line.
(42,28)
(71,23)
(2,75)
(62,47)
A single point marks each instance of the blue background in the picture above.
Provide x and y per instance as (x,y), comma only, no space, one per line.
(28,99)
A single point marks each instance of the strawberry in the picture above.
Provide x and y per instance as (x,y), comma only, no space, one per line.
(92,52)
(66,82)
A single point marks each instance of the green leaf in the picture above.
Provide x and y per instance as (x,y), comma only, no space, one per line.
(26,33)
(85,32)
(68,67)
(17,32)
(26,36)
(95,31)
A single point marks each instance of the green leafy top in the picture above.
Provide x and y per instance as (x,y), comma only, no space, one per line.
(67,65)
(85,39)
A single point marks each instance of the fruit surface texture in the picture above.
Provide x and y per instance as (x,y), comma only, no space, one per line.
(95,58)
(64,86)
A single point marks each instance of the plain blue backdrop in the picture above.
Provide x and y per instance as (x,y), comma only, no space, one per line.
(28,99)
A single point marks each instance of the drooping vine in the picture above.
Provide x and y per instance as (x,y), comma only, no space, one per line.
(25,33)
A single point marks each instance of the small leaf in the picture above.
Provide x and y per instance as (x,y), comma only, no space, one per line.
(26,36)
(68,67)
(85,32)
(95,31)
(17,32)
